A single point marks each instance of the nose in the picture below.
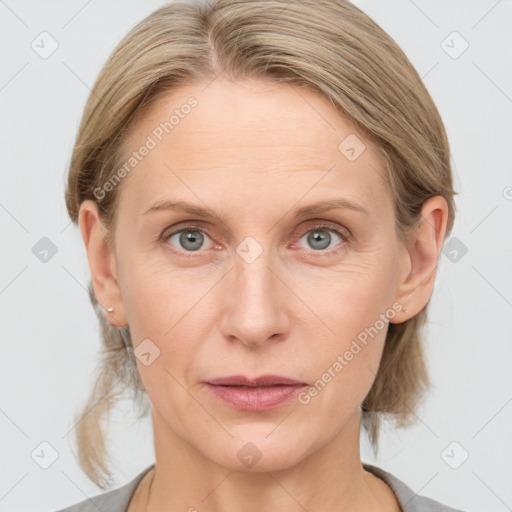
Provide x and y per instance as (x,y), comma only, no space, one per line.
(257,310)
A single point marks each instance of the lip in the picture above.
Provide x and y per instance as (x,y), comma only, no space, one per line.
(263,380)
(258,394)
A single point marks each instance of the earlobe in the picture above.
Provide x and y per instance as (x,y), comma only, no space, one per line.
(422,256)
(101,263)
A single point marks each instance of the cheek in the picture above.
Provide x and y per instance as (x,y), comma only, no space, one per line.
(345,364)
(161,309)
(351,296)
(166,305)
(152,290)
(353,305)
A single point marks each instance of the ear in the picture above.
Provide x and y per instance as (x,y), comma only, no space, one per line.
(102,263)
(420,259)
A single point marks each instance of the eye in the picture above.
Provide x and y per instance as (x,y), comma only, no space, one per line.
(321,237)
(188,239)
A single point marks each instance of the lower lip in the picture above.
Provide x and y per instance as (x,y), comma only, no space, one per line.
(255,399)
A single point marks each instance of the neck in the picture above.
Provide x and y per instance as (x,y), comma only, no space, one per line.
(331,478)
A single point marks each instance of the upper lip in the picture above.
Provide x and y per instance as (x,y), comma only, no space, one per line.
(263,380)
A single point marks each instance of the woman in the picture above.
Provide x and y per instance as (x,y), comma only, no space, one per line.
(263,189)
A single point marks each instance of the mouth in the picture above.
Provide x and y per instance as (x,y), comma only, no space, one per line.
(257,394)
(262,381)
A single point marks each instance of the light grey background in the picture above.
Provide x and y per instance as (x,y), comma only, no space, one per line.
(49,331)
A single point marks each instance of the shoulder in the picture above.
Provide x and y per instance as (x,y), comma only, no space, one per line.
(116,500)
(409,500)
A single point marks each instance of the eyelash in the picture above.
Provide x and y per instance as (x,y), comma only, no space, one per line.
(344,234)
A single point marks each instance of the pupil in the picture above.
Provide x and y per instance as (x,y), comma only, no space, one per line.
(319,239)
(191,240)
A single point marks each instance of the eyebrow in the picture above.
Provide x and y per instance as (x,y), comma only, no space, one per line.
(319,207)
(330,204)
(183,206)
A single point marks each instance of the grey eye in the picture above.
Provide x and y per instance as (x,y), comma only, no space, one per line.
(319,239)
(189,239)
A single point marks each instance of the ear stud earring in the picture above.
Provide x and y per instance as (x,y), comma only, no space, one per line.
(110,310)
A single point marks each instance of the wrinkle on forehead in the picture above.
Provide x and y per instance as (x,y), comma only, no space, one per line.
(260,130)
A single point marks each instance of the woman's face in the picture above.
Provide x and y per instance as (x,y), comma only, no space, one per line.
(250,283)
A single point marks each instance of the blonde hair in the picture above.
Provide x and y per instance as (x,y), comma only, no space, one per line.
(328,45)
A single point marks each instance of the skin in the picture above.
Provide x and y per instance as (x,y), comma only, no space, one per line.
(255,152)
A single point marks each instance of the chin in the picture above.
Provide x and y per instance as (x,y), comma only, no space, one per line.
(255,453)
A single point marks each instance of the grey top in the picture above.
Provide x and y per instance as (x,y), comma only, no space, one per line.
(119,499)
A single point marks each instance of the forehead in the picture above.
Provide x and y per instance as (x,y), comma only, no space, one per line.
(257,135)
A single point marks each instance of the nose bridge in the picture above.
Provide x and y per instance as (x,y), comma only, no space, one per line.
(257,310)
(253,281)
